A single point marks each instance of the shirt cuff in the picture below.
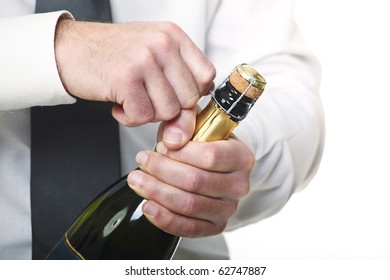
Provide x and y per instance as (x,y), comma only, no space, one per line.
(28,66)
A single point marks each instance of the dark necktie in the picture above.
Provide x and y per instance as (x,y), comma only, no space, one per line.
(74,149)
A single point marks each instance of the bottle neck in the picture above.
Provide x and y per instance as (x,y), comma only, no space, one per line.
(234,103)
(213,124)
(226,109)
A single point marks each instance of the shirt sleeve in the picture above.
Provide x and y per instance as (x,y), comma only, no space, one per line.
(285,129)
(28,70)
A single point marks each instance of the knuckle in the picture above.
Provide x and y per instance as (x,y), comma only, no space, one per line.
(143,112)
(168,223)
(192,181)
(189,229)
(211,72)
(210,157)
(170,112)
(163,42)
(190,96)
(137,118)
(147,58)
(145,117)
(219,228)
(190,205)
(240,188)
(152,166)
(131,121)
(154,192)
(190,101)
(250,161)
(231,208)
(171,27)
(148,117)
(207,77)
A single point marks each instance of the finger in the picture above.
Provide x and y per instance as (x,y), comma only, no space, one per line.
(189,204)
(182,80)
(177,132)
(179,225)
(191,179)
(201,69)
(176,71)
(133,107)
(200,66)
(161,94)
(219,156)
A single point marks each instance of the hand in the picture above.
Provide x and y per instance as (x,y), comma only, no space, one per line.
(150,70)
(194,190)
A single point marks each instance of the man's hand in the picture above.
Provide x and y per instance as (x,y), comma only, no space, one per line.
(150,70)
(194,190)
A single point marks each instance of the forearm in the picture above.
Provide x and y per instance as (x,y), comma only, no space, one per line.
(29,75)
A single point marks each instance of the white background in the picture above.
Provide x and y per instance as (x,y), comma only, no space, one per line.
(345,212)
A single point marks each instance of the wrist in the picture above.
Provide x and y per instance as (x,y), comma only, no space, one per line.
(78,56)
(62,47)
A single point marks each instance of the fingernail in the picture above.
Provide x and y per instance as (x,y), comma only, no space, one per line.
(141,158)
(134,178)
(150,209)
(160,148)
(173,135)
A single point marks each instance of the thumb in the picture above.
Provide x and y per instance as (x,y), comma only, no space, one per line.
(177,132)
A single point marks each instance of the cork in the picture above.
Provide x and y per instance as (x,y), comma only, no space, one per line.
(241,78)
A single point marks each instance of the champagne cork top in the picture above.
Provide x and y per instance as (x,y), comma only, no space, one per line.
(245,76)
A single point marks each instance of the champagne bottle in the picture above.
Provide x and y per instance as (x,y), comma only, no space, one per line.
(113,226)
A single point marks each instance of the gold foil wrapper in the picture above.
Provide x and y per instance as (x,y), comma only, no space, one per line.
(213,124)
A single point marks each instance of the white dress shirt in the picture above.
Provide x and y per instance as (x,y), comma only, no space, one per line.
(285,130)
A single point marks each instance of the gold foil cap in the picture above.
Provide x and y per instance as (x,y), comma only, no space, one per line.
(245,78)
